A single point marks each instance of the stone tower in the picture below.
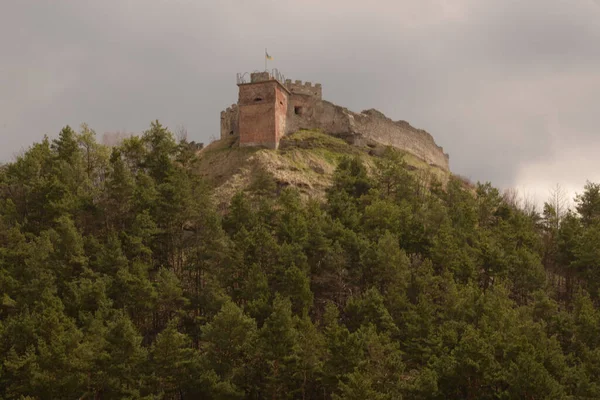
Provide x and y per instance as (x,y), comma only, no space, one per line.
(269,107)
(262,107)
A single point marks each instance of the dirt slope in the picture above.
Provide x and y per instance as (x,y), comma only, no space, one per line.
(306,160)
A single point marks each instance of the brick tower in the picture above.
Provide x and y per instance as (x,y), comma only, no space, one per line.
(263,104)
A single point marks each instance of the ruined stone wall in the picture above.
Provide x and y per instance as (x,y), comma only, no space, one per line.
(321,115)
(268,109)
(229,122)
(303,112)
(305,89)
(368,127)
(372,125)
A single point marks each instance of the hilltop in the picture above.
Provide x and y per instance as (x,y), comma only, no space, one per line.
(270,107)
(305,160)
(287,130)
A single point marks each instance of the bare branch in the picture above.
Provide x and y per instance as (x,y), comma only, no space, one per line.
(181,133)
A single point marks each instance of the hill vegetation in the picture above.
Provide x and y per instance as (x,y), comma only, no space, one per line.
(306,160)
(148,271)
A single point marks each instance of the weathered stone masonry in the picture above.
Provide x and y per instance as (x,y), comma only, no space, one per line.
(263,105)
(267,109)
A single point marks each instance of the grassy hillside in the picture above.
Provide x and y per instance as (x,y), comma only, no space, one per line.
(306,160)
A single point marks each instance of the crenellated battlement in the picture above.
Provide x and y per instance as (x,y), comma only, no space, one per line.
(229,121)
(231,109)
(305,89)
(270,106)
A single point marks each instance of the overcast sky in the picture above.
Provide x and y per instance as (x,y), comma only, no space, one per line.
(509,88)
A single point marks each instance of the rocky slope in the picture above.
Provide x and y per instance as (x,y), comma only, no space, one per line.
(306,160)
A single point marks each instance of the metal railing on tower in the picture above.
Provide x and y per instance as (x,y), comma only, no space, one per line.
(274,74)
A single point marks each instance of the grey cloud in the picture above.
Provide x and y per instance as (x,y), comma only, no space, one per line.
(499,84)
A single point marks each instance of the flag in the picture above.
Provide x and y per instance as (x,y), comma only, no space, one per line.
(267,56)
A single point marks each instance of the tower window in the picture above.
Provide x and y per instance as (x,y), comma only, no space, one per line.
(258,99)
(298,110)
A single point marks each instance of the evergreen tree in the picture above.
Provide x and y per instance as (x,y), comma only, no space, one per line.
(120,278)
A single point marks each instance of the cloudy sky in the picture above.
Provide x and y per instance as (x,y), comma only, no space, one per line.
(509,88)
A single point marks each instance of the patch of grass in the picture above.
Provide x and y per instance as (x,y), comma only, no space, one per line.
(222,158)
(306,160)
(314,139)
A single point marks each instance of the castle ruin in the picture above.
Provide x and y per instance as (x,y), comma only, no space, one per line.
(270,107)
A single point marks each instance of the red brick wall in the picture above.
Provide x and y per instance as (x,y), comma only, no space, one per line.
(281,106)
(263,108)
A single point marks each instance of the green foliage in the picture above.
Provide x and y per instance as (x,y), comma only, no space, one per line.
(119,279)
